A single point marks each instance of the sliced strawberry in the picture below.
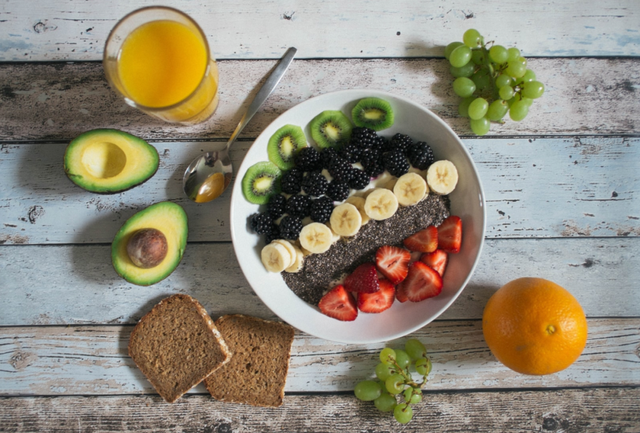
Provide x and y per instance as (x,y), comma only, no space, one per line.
(393,263)
(425,241)
(421,283)
(401,295)
(450,234)
(378,301)
(436,260)
(364,279)
(339,304)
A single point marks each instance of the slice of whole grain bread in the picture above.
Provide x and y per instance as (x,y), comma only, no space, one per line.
(257,371)
(177,345)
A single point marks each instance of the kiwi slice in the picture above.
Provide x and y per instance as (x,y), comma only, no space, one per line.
(261,181)
(373,113)
(284,144)
(331,128)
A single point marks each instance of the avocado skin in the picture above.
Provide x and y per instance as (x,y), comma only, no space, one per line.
(85,181)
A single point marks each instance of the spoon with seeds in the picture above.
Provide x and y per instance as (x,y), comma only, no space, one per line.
(210,174)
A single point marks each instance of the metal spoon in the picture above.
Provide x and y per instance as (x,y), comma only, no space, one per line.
(210,174)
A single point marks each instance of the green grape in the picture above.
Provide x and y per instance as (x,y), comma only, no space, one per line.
(464,71)
(452,46)
(383,371)
(519,110)
(532,89)
(529,75)
(460,56)
(403,413)
(477,57)
(415,349)
(423,365)
(497,110)
(367,390)
(402,358)
(517,68)
(527,101)
(480,126)
(387,355)
(413,395)
(463,108)
(513,54)
(464,87)
(385,403)
(482,80)
(503,80)
(498,54)
(478,108)
(506,92)
(394,383)
(472,38)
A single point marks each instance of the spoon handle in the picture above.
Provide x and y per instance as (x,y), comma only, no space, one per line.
(264,92)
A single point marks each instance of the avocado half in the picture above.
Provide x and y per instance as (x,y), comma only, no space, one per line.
(107,161)
(171,220)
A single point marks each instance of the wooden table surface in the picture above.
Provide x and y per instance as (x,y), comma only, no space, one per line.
(561,189)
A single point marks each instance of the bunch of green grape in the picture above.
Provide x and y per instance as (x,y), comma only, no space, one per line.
(493,81)
(395,381)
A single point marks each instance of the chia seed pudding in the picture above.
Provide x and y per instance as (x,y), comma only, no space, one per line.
(322,271)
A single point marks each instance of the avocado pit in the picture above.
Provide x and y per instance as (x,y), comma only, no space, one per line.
(147,248)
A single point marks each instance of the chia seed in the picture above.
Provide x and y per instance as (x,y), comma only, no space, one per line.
(322,271)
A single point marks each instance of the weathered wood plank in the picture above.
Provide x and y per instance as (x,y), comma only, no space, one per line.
(58,101)
(77,284)
(533,188)
(74,30)
(93,361)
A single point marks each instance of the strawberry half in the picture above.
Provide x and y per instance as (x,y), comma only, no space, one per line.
(364,279)
(421,283)
(424,241)
(378,301)
(450,234)
(436,260)
(393,263)
(339,304)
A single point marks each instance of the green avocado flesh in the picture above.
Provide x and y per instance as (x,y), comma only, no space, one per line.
(171,220)
(109,161)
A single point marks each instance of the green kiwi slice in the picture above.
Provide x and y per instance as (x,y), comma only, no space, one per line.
(373,113)
(284,144)
(261,181)
(331,128)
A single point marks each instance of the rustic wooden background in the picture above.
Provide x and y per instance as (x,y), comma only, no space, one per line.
(561,190)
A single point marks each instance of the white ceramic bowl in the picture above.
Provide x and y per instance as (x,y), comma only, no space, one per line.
(467,201)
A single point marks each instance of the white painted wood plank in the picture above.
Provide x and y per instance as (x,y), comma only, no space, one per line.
(94,361)
(533,188)
(77,285)
(77,30)
(59,101)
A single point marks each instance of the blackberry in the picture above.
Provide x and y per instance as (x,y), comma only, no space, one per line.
(359,179)
(273,234)
(351,152)
(315,184)
(363,137)
(338,191)
(326,156)
(291,180)
(421,155)
(308,159)
(290,227)
(396,163)
(381,145)
(276,206)
(340,169)
(298,205)
(401,142)
(374,169)
(261,223)
(371,161)
(321,209)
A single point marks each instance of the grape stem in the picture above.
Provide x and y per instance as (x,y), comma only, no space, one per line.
(407,377)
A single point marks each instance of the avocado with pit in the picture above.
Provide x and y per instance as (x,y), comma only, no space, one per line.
(108,161)
(150,244)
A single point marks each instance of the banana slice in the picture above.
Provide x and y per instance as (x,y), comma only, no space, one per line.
(288,245)
(381,204)
(316,238)
(410,189)
(276,257)
(358,202)
(442,177)
(298,262)
(345,220)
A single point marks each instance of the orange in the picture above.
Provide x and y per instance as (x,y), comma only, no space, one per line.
(534,326)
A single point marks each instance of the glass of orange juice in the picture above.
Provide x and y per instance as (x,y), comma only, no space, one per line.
(158,59)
